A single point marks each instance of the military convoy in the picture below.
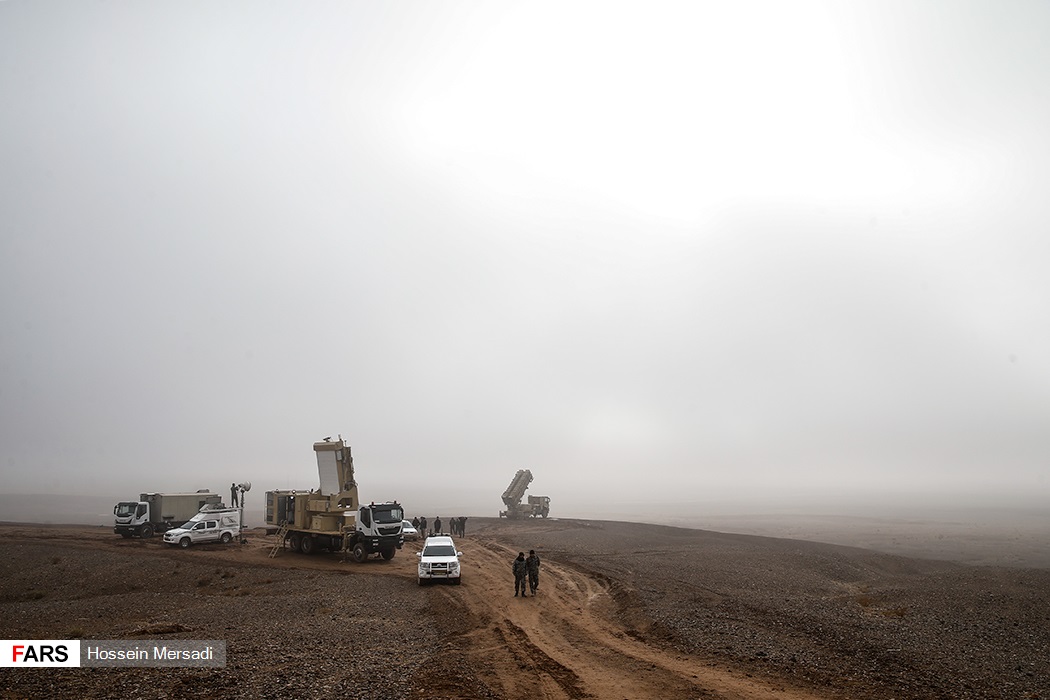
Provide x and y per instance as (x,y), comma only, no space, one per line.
(535,506)
(330,517)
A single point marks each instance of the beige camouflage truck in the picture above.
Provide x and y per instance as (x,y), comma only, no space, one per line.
(534,507)
(332,518)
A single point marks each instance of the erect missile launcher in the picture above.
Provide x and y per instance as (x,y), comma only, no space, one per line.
(536,505)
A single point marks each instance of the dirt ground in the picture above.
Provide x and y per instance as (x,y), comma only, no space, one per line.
(624,611)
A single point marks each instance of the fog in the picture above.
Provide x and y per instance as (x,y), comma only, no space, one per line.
(671,257)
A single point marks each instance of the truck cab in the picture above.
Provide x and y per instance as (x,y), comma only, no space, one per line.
(129,516)
(378,530)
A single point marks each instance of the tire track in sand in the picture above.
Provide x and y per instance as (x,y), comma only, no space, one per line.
(566,642)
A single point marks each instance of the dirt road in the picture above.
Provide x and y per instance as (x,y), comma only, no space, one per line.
(566,641)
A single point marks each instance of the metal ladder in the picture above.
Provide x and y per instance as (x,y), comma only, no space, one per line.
(280,539)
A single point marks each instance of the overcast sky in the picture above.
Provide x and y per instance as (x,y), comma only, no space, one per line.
(649,251)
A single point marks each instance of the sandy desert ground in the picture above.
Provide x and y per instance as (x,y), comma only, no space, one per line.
(625,611)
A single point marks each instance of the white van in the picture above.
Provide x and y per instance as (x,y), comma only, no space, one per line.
(210,525)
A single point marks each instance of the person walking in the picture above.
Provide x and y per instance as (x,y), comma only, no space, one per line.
(532,566)
(518,567)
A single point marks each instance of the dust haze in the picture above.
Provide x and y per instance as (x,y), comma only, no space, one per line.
(679,260)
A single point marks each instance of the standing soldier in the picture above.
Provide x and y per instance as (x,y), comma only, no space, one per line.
(532,566)
(415,523)
(437,525)
(423,526)
(518,567)
(233,495)
(463,526)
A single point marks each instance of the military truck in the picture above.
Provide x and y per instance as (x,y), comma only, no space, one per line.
(536,506)
(332,517)
(159,512)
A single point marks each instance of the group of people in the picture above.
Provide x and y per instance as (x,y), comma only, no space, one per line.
(457,526)
(526,567)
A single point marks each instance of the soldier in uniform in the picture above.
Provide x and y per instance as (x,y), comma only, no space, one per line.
(519,574)
(532,566)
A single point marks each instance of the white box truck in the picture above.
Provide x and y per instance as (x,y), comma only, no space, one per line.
(159,512)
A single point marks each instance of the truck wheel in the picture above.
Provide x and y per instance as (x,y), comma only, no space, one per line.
(307,546)
(388,554)
(184,542)
(125,535)
(422,582)
(293,542)
(358,553)
(146,532)
(226,537)
(458,580)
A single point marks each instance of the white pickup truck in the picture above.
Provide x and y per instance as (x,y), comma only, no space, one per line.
(439,560)
(211,524)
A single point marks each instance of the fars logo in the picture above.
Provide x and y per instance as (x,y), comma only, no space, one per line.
(25,653)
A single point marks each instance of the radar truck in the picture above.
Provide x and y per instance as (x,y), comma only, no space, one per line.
(535,506)
(159,512)
(332,517)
